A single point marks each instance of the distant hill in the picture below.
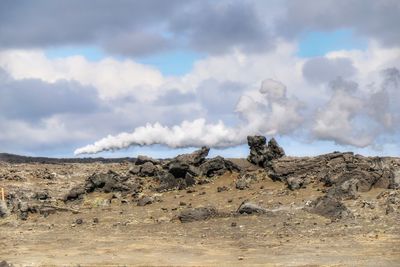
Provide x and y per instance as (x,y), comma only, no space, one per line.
(11,158)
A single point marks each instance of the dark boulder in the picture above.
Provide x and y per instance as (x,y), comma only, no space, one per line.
(167,181)
(106,182)
(187,163)
(329,207)
(251,208)
(146,169)
(195,158)
(217,166)
(197,214)
(75,193)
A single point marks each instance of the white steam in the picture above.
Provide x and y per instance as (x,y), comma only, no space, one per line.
(266,111)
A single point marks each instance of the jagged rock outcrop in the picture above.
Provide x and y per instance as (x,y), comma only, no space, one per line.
(262,153)
(345,172)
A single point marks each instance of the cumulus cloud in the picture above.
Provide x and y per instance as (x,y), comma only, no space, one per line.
(112,78)
(266,111)
(322,69)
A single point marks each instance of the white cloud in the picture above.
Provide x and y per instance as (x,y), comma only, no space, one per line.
(111,77)
(311,108)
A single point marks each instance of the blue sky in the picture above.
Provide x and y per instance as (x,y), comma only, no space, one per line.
(253,67)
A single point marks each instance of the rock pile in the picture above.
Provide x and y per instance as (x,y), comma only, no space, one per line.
(103,182)
(178,173)
(184,170)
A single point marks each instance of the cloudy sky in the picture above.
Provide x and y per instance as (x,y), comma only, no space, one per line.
(94,76)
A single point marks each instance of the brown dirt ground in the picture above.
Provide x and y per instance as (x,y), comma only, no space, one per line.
(129,235)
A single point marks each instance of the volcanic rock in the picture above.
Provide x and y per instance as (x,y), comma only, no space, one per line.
(146,200)
(167,181)
(105,182)
(329,207)
(217,166)
(244,180)
(260,153)
(4,211)
(348,172)
(140,160)
(197,214)
(195,158)
(75,193)
(251,208)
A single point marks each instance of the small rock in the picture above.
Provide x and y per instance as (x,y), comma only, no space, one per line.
(5,264)
(222,188)
(146,200)
(4,212)
(79,221)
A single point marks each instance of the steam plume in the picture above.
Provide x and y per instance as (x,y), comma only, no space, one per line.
(266,111)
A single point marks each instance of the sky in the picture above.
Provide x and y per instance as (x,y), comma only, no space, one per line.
(160,78)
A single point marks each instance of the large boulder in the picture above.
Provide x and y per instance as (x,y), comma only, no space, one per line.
(187,163)
(329,207)
(106,182)
(261,153)
(145,167)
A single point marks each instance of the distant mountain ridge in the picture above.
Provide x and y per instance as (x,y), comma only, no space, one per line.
(12,158)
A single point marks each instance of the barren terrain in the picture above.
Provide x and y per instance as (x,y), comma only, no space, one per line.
(47,226)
